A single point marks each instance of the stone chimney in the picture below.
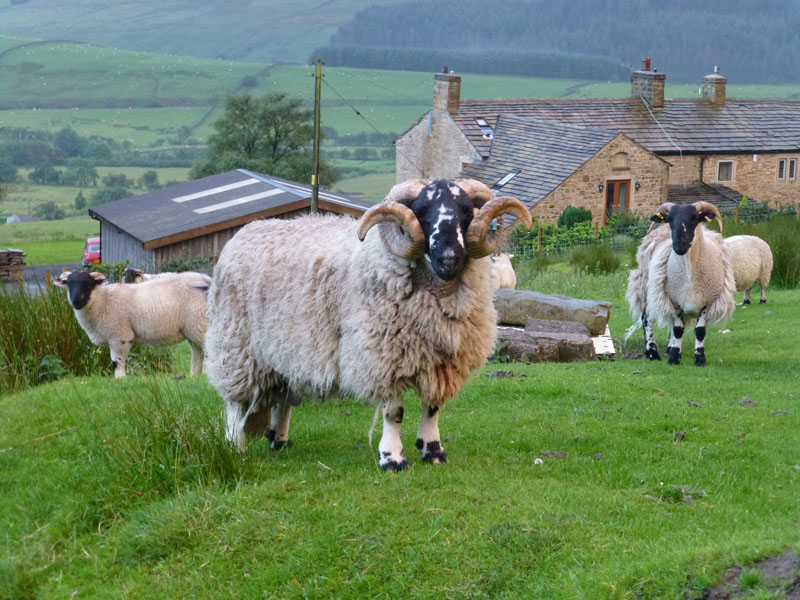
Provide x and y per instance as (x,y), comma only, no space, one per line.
(714,88)
(447,91)
(649,85)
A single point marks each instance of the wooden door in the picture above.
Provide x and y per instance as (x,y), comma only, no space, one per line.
(618,195)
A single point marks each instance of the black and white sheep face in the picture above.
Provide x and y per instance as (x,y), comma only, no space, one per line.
(80,286)
(444,211)
(683,220)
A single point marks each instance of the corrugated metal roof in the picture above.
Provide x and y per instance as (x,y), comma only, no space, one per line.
(207,204)
(688,126)
(545,154)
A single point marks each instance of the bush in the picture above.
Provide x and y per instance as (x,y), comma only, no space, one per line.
(49,211)
(573,215)
(595,259)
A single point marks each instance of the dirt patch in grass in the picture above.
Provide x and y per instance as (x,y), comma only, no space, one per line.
(779,575)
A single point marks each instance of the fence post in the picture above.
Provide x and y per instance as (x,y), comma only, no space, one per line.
(47,282)
(539,237)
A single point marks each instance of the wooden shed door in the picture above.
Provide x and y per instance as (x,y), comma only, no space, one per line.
(617,196)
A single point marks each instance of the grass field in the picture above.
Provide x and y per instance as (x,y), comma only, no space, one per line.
(653,479)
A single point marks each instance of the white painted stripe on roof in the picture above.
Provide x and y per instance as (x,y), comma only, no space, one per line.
(216,190)
(327,196)
(243,200)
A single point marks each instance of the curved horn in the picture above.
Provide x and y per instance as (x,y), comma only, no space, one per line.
(477,191)
(708,206)
(482,242)
(406,192)
(408,245)
(659,215)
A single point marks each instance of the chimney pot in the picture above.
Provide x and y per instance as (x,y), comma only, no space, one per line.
(646,63)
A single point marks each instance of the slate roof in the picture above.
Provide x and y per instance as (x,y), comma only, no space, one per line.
(724,198)
(682,126)
(544,152)
(212,203)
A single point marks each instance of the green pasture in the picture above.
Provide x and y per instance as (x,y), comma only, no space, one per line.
(66,75)
(50,242)
(141,127)
(602,480)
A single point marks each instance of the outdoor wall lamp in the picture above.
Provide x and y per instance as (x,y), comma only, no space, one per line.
(599,187)
(637,185)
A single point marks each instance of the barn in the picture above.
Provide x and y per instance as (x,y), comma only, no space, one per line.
(195,219)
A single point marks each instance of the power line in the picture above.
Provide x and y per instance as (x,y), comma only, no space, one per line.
(358,112)
(383,87)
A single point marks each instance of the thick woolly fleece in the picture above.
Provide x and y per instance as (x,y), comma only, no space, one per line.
(751,259)
(669,285)
(304,302)
(156,313)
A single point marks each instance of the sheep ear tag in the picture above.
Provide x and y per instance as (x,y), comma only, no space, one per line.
(657,218)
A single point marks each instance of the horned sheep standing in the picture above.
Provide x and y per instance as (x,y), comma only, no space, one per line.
(154,313)
(684,277)
(132,275)
(300,307)
(751,258)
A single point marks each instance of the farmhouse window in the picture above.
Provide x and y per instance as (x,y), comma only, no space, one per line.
(486,129)
(782,169)
(508,177)
(792,169)
(725,171)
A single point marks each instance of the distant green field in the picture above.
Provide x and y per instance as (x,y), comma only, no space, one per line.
(49,242)
(67,75)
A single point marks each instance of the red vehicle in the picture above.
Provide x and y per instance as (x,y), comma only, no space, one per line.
(91,252)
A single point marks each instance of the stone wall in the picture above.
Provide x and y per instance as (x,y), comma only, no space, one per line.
(580,189)
(434,147)
(755,176)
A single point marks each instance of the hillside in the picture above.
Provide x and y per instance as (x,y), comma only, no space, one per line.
(752,42)
(270,31)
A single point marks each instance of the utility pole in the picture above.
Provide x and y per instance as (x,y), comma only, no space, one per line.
(315,165)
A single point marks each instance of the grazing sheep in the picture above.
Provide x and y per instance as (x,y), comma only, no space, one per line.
(684,276)
(751,259)
(154,313)
(132,275)
(301,307)
(502,271)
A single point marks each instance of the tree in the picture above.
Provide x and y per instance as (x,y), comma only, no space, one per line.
(8,171)
(80,201)
(80,172)
(49,211)
(271,133)
(108,195)
(45,174)
(150,180)
(69,142)
(98,151)
(117,180)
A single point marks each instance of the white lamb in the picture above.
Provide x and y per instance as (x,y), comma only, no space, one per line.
(155,313)
(502,273)
(751,259)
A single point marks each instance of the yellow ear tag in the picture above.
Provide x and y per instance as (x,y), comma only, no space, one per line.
(659,215)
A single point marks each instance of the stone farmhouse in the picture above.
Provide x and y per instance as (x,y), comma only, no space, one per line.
(628,154)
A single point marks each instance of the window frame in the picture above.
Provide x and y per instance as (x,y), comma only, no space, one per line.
(732,163)
(782,169)
(791,174)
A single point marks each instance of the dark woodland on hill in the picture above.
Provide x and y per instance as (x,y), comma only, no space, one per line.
(753,42)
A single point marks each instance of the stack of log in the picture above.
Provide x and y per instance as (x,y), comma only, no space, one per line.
(11,264)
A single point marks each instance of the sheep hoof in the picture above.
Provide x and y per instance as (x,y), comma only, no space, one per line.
(652,354)
(763,301)
(432,452)
(674,356)
(745,301)
(277,444)
(390,464)
(699,359)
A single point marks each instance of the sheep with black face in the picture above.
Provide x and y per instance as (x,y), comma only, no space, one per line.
(684,278)
(301,307)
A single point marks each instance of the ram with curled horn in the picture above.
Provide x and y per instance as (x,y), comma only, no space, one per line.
(332,307)
(684,277)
